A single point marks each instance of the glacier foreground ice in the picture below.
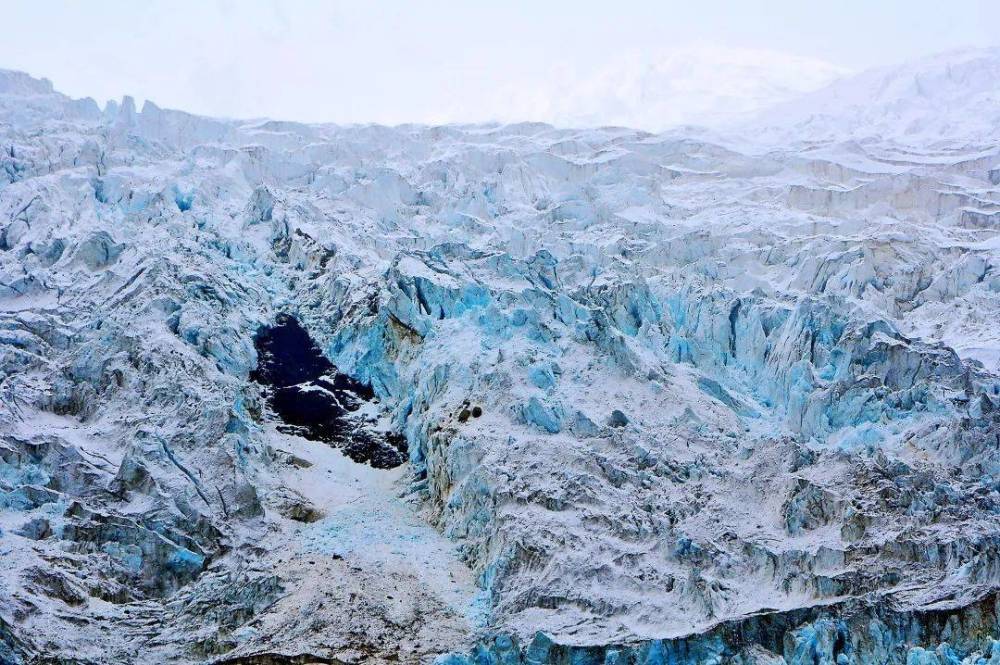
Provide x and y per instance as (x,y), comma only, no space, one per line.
(677,398)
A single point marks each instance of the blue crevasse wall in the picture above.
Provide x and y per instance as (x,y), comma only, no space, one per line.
(852,634)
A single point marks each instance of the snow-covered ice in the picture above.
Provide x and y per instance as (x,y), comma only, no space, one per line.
(700,396)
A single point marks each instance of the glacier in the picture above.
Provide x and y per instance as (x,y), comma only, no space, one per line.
(704,396)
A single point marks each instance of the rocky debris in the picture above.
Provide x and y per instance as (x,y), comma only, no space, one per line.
(312,399)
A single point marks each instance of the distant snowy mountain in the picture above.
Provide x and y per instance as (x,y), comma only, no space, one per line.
(698,85)
(952,98)
(276,393)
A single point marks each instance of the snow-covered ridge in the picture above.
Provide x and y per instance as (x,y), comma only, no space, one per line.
(704,85)
(946,100)
(655,389)
(19,83)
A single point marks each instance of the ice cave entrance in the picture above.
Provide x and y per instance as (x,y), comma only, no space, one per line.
(315,401)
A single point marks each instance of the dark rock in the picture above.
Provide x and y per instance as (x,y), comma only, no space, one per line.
(316,401)
(617,419)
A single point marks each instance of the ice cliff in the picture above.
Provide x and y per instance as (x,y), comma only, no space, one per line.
(676,398)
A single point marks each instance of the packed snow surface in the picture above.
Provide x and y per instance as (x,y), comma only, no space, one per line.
(687,397)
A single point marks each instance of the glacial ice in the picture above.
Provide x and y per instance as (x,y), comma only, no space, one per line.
(676,398)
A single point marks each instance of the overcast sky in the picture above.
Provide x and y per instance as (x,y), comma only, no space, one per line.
(426,61)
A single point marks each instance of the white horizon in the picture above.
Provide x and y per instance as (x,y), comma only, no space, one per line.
(655,67)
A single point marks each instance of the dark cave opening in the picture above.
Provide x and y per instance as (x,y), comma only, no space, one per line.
(315,401)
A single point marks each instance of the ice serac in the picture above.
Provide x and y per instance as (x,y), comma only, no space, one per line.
(662,399)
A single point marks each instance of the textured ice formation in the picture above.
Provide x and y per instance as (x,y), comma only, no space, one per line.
(675,398)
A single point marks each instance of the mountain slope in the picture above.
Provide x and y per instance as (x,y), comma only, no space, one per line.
(944,100)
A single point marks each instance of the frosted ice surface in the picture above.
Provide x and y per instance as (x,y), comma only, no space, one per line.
(690,397)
